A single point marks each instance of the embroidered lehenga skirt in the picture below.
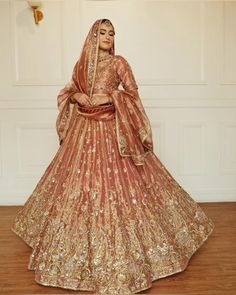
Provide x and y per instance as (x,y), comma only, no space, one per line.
(97,222)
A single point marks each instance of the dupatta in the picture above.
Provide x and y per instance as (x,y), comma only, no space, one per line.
(133,130)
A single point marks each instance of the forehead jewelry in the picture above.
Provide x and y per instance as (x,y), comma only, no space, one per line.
(107,22)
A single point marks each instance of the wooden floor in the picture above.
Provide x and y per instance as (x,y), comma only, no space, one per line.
(211,270)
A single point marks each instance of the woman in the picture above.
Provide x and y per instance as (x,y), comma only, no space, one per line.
(107,216)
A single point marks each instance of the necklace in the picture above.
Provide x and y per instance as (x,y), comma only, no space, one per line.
(108,56)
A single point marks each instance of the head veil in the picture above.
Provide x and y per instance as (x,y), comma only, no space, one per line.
(82,79)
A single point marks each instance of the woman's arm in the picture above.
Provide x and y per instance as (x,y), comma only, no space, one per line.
(126,76)
(101,98)
(80,98)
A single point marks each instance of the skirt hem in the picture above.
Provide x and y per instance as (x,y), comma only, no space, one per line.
(177,270)
(134,291)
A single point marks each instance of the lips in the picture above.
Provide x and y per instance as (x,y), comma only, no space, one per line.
(106,42)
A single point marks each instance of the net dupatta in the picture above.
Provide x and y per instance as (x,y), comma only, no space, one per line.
(133,129)
(82,80)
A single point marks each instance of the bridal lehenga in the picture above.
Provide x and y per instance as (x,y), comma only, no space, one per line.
(107,216)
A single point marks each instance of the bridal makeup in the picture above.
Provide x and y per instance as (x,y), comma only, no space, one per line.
(106,37)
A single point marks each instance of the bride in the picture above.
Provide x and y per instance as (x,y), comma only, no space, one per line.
(106,215)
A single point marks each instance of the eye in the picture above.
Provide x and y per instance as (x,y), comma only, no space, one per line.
(102,33)
(111,34)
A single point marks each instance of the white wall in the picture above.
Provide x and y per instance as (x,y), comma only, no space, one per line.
(183,56)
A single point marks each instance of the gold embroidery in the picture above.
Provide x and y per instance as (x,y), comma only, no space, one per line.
(97,222)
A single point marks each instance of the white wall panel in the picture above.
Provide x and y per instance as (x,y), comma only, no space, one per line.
(40,139)
(38,52)
(192,148)
(228,43)
(228,148)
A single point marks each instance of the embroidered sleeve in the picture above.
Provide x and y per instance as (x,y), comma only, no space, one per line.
(126,76)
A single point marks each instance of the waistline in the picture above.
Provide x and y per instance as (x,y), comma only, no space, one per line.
(100,113)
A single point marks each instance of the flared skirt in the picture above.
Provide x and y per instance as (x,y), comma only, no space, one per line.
(97,222)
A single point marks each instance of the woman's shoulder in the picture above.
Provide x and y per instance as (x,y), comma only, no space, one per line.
(120,60)
(118,56)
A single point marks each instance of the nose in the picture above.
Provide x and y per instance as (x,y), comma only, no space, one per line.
(107,36)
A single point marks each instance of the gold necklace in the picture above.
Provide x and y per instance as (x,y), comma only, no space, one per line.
(104,58)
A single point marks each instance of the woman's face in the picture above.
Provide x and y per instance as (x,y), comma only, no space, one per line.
(106,37)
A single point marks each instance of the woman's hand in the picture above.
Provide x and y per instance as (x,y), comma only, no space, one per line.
(101,98)
(81,98)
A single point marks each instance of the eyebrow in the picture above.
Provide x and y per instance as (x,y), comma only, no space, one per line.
(106,30)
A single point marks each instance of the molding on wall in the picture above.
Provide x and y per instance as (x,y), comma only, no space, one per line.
(227,166)
(183,148)
(16,79)
(222,17)
(22,167)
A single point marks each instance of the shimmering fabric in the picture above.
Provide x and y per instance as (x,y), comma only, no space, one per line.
(133,130)
(98,221)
